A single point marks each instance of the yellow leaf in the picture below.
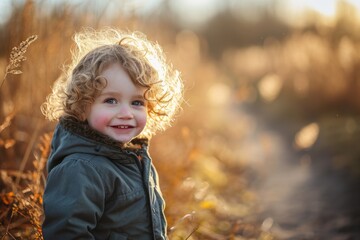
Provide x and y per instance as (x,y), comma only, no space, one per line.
(9,143)
(208,204)
(7,198)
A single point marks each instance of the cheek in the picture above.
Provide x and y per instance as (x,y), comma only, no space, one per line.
(97,119)
(142,120)
(99,122)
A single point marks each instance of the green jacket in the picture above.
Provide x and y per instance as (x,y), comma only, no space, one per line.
(98,190)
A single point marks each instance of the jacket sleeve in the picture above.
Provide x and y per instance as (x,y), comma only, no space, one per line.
(74,200)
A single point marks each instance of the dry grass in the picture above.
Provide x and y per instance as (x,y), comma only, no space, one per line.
(17,57)
(193,211)
(22,206)
(21,198)
(204,168)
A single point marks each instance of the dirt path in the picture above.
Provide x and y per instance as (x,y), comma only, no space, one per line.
(305,198)
(305,203)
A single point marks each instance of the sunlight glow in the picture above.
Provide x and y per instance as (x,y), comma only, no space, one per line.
(270,86)
(325,7)
(199,11)
(195,12)
(307,136)
(219,94)
(295,12)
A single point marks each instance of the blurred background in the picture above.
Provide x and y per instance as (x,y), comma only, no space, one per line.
(266,144)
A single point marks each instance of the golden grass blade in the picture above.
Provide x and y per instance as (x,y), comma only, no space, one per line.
(17,57)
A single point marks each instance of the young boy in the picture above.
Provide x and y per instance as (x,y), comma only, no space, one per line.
(101,182)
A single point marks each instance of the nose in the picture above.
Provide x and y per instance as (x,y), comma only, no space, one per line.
(124,112)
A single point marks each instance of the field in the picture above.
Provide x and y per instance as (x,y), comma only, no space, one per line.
(244,89)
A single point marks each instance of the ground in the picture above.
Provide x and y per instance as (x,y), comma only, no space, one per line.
(301,196)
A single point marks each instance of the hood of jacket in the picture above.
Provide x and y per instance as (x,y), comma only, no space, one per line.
(72,136)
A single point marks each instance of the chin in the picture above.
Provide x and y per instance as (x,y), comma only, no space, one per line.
(123,140)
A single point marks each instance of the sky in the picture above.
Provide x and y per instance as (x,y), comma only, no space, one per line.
(199,11)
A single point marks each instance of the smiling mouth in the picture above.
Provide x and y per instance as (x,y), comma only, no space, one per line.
(123,126)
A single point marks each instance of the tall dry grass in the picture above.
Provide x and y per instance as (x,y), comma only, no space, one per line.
(21,197)
(193,210)
(206,167)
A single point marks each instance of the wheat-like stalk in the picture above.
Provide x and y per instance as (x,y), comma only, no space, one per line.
(17,57)
(7,121)
(22,202)
(7,143)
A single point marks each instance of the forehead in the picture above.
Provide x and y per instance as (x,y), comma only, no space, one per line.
(118,80)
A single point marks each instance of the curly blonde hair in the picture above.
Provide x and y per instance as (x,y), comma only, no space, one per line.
(143,60)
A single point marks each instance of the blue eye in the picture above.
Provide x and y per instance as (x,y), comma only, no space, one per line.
(110,101)
(138,103)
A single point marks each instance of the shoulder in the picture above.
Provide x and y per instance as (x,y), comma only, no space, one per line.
(78,173)
(76,161)
(87,161)
(82,169)
(78,166)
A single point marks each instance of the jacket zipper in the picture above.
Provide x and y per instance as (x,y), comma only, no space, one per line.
(142,169)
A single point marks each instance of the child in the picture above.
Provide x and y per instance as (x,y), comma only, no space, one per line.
(101,182)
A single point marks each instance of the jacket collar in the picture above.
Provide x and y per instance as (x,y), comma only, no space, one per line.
(83,129)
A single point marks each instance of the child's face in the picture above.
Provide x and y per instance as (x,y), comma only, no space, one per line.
(120,110)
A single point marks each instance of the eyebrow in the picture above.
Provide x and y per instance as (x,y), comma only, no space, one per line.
(112,93)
